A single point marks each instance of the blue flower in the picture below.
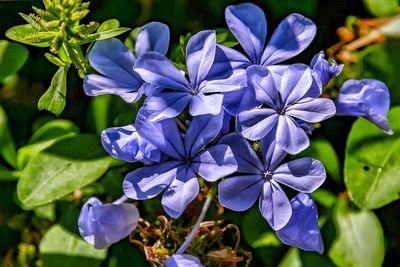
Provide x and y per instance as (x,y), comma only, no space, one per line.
(302,229)
(248,24)
(178,174)
(365,98)
(124,143)
(323,69)
(115,62)
(261,179)
(103,225)
(183,260)
(286,99)
(209,75)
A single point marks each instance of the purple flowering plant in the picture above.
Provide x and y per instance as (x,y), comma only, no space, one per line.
(221,127)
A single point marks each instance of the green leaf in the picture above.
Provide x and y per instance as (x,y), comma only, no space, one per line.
(107,25)
(131,39)
(61,248)
(59,170)
(19,33)
(381,8)
(47,211)
(372,163)
(44,137)
(99,111)
(105,35)
(225,37)
(12,57)
(7,147)
(291,259)
(54,98)
(322,150)
(324,197)
(380,62)
(359,241)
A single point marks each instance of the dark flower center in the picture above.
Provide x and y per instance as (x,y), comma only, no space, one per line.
(267,175)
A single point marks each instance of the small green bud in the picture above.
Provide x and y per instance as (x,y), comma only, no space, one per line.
(55,60)
(88,28)
(44,14)
(52,24)
(77,16)
(57,41)
(39,37)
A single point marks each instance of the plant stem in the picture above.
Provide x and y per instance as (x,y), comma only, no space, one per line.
(190,237)
(121,200)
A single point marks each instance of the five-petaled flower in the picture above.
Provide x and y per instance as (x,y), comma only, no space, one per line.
(209,74)
(291,97)
(261,179)
(178,174)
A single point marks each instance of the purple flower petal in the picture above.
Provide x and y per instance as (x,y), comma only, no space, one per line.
(129,89)
(236,59)
(325,70)
(202,130)
(295,83)
(214,163)
(239,193)
(152,37)
(274,205)
(247,22)
(102,225)
(164,135)
(124,143)
(183,260)
(241,100)
(312,109)
(245,156)
(365,98)
(302,229)
(256,123)
(201,104)
(183,189)
(272,153)
(157,70)
(290,136)
(262,82)
(293,35)
(117,65)
(147,182)
(200,54)
(304,175)
(165,105)
(231,83)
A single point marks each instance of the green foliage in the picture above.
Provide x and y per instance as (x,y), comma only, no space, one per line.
(322,150)
(381,8)
(372,163)
(359,241)
(20,33)
(70,164)
(12,57)
(291,259)
(7,147)
(61,248)
(55,97)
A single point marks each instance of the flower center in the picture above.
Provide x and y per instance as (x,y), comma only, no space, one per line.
(267,175)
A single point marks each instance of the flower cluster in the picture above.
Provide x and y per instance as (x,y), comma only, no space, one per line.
(243,114)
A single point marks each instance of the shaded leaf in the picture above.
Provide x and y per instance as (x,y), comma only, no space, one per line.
(19,33)
(61,248)
(12,57)
(61,169)
(291,259)
(359,241)
(381,8)
(7,147)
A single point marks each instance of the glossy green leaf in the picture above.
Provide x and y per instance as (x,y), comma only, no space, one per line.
(54,98)
(59,170)
(107,25)
(291,259)
(322,150)
(225,37)
(381,8)
(106,34)
(372,163)
(19,33)
(44,137)
(12,57)
(7,147)
(61,248)
(359,241)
